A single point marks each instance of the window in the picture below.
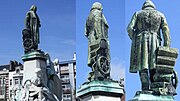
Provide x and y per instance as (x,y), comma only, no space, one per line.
(18,70)
(67,97)
(64,68)
(16,81)
(2,86)
(3,81)
(64,76)
(68,86)
(10,93)
(64,96)
(20,81)
(74,67)
(10,82)
(63,86)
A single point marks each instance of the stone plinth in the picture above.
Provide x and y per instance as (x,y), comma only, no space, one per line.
(145,96)
(162,83)
(100,91)
(35,62)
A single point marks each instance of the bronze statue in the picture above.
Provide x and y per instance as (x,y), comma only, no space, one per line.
(144,31)
(31,33)
(98,44)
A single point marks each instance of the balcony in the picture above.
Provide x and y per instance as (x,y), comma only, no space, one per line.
(66,90)
(2,97)
(64,71)
(65,81)
(67,99)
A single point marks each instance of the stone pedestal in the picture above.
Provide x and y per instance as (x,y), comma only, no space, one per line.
(145,96)
(35,62)
(100,91)
(39,80)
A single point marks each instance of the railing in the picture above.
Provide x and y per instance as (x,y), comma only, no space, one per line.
(64,71)
(66,90)
(65,80)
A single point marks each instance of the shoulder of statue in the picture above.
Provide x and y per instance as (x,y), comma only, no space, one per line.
(160,13)
(29,12)
(137,12)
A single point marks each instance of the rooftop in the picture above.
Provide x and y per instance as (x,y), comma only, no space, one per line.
(4,66)
(66,62)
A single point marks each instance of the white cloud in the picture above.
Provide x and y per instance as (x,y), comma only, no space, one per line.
(70,42)
(117,68)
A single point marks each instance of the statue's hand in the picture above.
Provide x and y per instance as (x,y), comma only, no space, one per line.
(86,35)
(106,25)
(27,27)
(131,37)
(166,45)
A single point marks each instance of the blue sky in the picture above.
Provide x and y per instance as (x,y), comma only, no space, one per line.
(114,12)
(57,33)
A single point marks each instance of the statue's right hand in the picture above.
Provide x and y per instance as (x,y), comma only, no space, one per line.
(166,45)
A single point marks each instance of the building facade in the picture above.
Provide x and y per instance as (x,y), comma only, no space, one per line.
(11,77)
(4,80)
(68,77)
(15,80)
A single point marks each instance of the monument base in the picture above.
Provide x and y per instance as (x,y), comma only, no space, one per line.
(100,91)
(34,62)
(39,80)
(147,96)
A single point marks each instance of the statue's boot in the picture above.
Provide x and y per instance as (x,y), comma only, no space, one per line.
(152,72)
(144,80)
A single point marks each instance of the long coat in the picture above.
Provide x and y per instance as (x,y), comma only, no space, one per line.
(144,31)
(33,23)
(95,30)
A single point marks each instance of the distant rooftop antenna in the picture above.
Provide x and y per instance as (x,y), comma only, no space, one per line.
(74,56)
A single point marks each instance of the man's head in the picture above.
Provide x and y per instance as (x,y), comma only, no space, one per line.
(148,4)
(33,8)
(97,5)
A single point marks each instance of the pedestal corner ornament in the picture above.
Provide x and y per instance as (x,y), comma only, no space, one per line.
(154,62)
(100,86)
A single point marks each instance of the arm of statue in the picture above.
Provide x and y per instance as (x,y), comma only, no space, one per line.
(86,31)
(27,20)
(98,23)
(130,28)
(165,32)
(39,24)
(38,21)
(105,21)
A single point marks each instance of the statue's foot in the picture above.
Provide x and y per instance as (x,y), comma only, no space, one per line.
(145,87)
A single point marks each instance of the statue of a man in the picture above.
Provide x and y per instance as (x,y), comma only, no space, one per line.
(32,23)
(97,33)
(144,31)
